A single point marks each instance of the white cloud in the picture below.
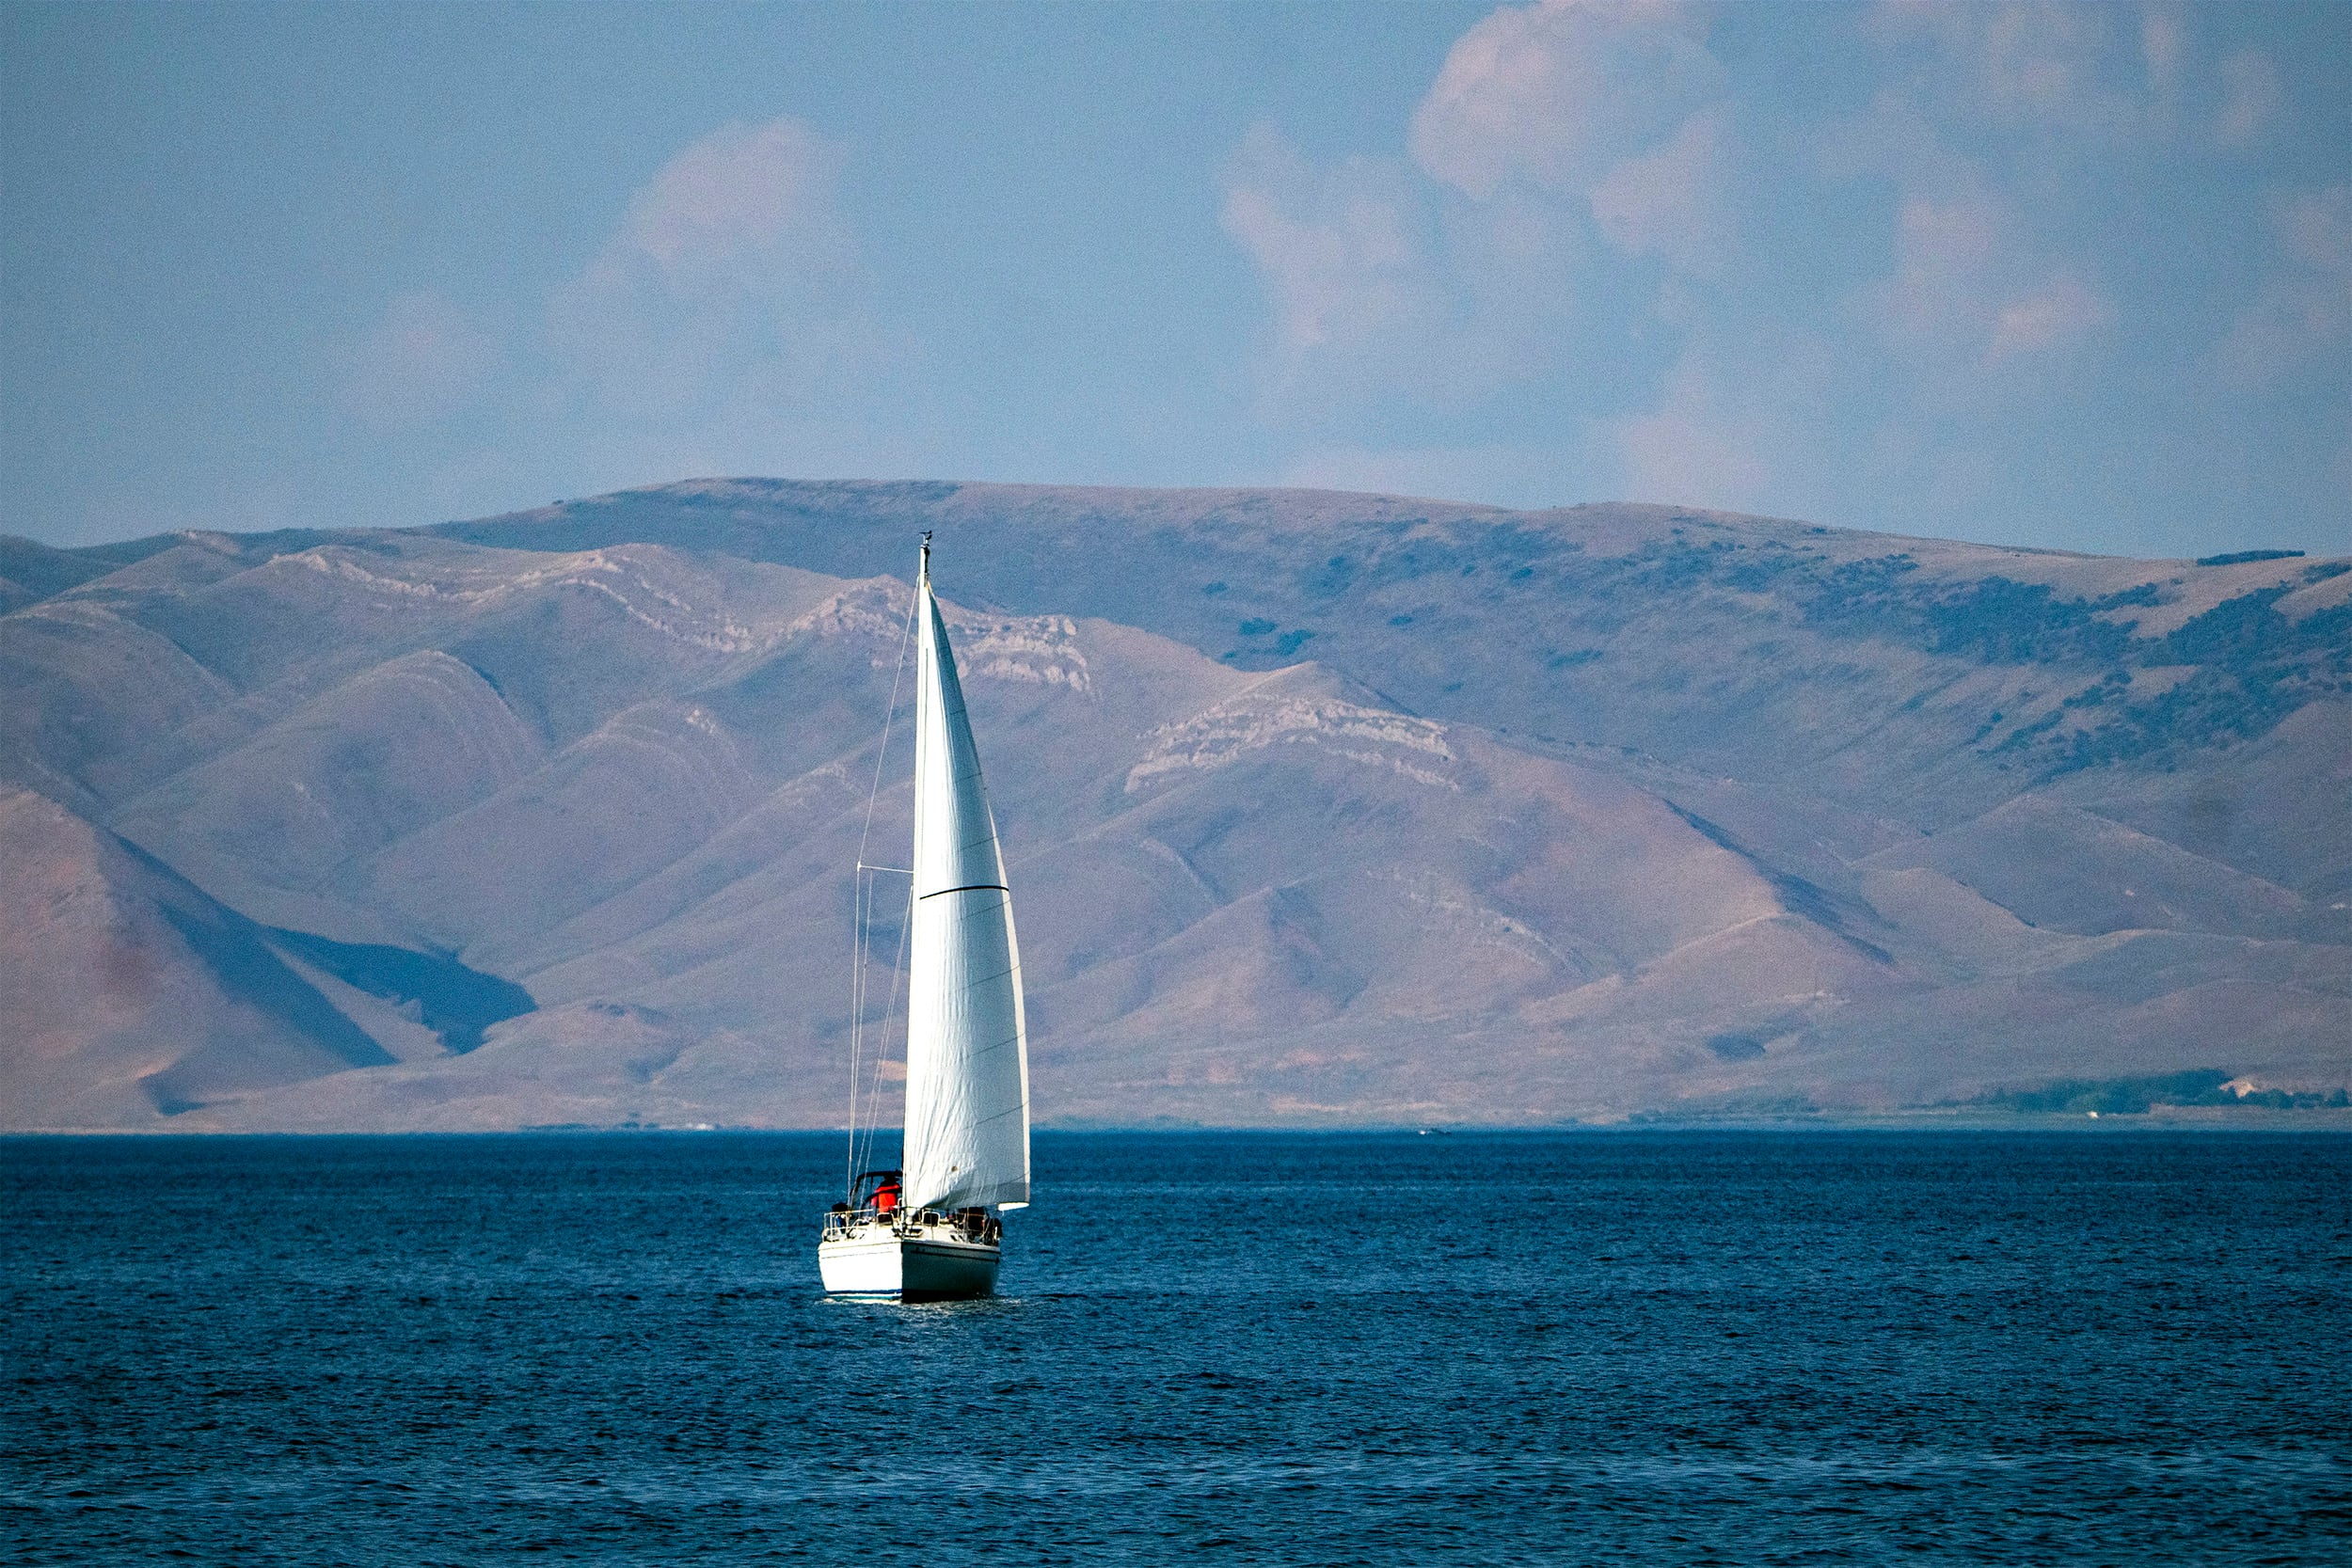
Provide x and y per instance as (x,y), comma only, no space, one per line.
(1969,292)
(2249,97)
(1669,202)
(2038,55)
(1549,128)
(2164,48)
(2315,230)
(421,360)
(1560,93)
(738,203)
(1696,448)
(1339,248)
(2078,75)
(1383,286)
(1945,250)
(1978,282)
(2303,315)
(2056,63)
(731,290)
(1561,138)
(2059,310)
(1615,108)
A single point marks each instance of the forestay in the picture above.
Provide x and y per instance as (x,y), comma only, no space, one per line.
(967,1138)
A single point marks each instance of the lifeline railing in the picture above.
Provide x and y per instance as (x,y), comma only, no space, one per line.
(840,1224)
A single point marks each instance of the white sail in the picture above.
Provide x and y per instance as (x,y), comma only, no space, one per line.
(967,1138)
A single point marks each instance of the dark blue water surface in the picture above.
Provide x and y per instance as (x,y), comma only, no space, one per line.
(1625,1347)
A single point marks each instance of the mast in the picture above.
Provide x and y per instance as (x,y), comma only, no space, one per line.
(967,1134)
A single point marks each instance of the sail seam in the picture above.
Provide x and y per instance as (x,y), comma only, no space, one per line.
(970,887)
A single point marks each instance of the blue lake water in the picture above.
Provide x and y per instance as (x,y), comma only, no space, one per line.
(1572,1348)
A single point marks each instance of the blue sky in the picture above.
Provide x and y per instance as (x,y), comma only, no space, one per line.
(2072,274)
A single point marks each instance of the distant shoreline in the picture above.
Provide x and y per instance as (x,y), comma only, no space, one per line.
(2332,1123)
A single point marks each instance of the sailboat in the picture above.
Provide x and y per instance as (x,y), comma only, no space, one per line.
(932,1231)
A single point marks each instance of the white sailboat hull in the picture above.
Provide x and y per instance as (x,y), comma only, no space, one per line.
(924,1264)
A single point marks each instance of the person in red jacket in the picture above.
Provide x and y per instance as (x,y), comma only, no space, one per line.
(886,1196)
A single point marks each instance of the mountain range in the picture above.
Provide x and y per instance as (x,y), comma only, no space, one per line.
(1319,809)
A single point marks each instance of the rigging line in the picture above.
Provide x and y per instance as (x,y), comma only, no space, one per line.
(857,1017)
(857,940)
(865,915)
(864,1160)
(860,943)
(890,1012)
(897,675)
(881,1053)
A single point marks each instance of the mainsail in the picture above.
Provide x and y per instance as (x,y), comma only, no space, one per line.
(967,1138)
